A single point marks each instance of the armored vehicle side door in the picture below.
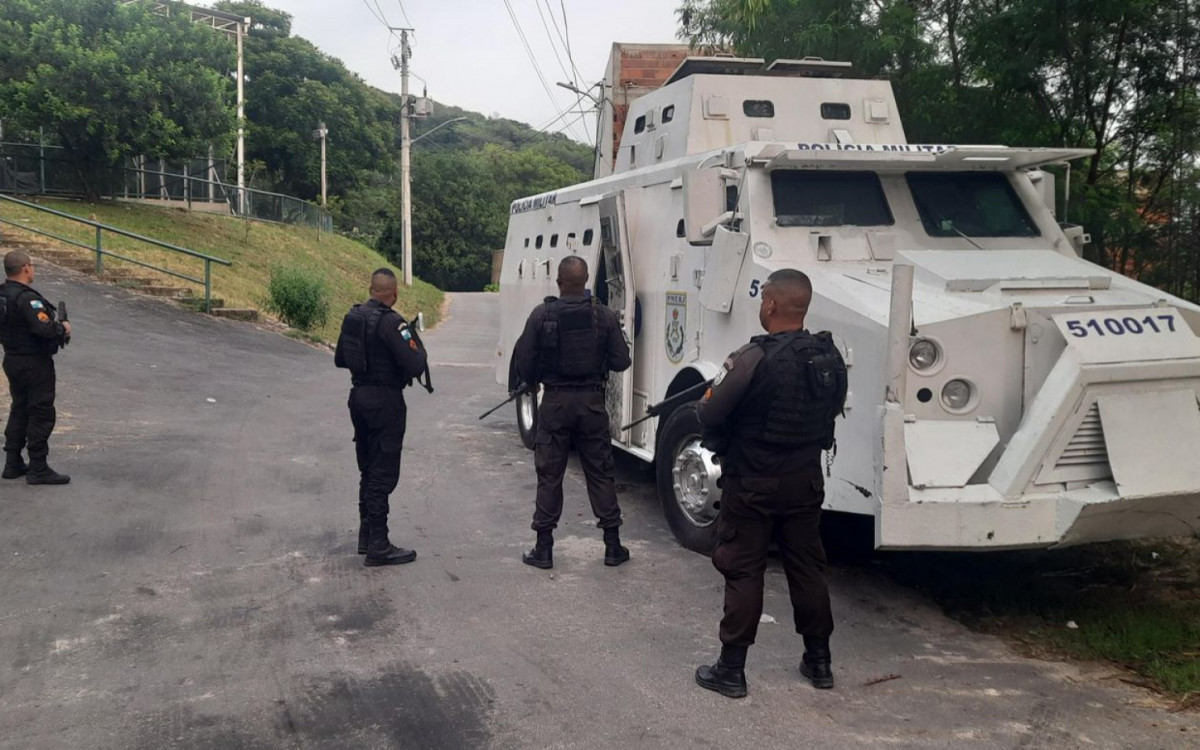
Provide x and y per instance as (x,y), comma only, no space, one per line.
(619,294)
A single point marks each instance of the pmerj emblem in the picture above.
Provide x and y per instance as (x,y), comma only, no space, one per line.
(676,333)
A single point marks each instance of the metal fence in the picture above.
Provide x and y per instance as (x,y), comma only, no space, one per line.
(98,248)
(37,169)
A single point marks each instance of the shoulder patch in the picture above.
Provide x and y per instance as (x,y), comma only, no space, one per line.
(720,375)
(36,304)
(42,316)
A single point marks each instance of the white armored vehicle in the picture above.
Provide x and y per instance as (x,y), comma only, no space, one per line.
(1003,392)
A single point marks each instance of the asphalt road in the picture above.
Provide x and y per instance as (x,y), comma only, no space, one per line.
(197,586)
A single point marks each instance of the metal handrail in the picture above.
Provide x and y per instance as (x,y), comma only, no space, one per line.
(98,247)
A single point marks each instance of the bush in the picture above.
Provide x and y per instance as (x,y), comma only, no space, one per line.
(299,297)
(492,288)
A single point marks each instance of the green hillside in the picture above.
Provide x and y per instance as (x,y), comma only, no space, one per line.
(254,247)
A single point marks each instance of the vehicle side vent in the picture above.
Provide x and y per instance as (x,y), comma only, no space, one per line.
(1086,455)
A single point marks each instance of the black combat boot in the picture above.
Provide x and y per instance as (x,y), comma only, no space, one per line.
(380,551)
(363,537)
(41,473)
(614,553)
(14,466)
(542,554)
(728,675)
(815,664)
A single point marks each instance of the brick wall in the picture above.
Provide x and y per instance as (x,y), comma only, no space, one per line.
(638,70)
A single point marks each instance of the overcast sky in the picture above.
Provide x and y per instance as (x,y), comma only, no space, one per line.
(471,55)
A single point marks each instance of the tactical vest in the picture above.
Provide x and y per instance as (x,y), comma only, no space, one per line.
(15,334)
(797,391)
(363,354)
(569,343)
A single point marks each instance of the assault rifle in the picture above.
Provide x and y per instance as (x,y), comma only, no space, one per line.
(63,318)
(522,389)
(669,404)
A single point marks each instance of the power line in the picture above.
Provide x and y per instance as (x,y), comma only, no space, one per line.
(378,17)
(565,36)
(532,58)
(404,13)
(553,46)
(382,15)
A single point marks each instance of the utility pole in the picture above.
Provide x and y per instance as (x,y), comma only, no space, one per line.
(241,118)
(321,132)
(405,154)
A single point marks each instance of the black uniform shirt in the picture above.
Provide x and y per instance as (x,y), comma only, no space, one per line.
(40,324)
(722,407)
(525,352)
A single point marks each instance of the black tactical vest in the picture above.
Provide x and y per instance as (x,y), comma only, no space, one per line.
(797,391)
(569,343)
(15,333)
(363,353)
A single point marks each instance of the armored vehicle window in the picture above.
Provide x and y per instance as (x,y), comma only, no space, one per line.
(829,199)
(554,240)
(526,242)
(835,111)
(538,242)
(758,108)
(639,124)
(587,236)
(680,229)
(977,204)
(668,114)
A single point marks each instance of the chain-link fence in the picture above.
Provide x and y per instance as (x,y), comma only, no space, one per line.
(36,169)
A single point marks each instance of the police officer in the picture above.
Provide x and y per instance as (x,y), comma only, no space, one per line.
(769,414)
(569,345)
(384,355)
(31,335)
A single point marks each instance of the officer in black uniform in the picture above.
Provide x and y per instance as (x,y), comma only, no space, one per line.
(769,414)
(384,355)
(31,335)
(569,345)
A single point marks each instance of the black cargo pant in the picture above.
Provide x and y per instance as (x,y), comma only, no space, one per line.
(31,381)
(567,417)
(753,512)
(378,414)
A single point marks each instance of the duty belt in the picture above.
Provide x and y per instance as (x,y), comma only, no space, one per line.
(593,387)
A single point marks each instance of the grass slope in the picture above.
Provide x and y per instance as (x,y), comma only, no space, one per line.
(1136,604)
(254,247)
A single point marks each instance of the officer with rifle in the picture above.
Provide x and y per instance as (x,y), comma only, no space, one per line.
(32,333)
(769,414)
(569,345)
(384,354)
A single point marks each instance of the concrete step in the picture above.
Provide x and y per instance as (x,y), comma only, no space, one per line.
(82,265)
(197,303)
(175,292)
(234,313)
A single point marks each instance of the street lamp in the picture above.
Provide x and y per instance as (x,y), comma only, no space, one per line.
(438,127)
(321,132)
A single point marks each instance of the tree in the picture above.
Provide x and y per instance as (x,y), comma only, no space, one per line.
(461,205)
(291,86)
(112,81)
(1121,77)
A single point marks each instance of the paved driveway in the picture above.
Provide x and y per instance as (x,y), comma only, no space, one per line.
(196,586)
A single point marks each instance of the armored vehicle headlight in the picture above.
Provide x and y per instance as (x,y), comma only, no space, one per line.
(956,394)
(924,354)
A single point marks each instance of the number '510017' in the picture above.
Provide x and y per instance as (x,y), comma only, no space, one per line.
(1121,326)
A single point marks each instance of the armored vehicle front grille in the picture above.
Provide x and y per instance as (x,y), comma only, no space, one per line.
(1087,447)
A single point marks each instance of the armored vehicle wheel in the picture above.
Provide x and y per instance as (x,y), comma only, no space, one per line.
(527,412)
(687,475)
